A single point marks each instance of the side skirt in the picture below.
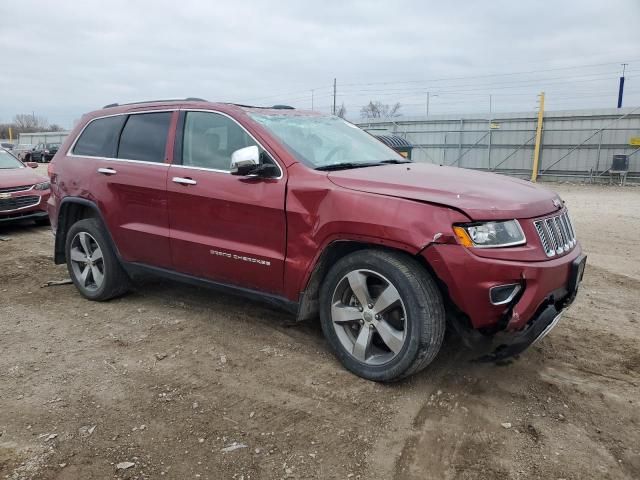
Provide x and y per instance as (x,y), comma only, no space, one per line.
(135,269)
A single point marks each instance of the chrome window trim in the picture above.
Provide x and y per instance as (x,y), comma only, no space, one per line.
(22,208)
(109,159)
(172,164)
(187,110)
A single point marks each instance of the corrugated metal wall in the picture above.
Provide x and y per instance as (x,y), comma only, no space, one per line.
(504,142)
(42,137)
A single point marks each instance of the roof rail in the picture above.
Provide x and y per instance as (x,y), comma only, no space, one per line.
(276,107)
(188,99)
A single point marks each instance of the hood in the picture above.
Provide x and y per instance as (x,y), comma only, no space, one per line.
(17,177)
(480,195)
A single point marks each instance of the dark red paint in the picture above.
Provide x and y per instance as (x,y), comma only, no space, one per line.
(23,177)
(288,222)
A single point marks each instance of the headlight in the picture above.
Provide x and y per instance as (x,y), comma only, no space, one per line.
(42,186)
(490,234)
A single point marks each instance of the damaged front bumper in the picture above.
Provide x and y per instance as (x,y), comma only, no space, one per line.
(495,332)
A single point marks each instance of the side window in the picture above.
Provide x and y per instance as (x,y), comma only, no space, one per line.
(145,137)
(100,137)
(209,139)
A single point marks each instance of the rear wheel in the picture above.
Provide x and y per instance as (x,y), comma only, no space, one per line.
(92,263)
(382,314)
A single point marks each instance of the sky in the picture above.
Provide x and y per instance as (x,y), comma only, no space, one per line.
(64,58)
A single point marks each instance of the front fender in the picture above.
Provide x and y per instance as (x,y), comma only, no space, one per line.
(320,213)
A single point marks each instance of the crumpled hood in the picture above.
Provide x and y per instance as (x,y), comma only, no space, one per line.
(480,195)
(17,177)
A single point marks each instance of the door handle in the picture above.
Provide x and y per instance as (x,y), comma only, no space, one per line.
(107,171)
(184,181)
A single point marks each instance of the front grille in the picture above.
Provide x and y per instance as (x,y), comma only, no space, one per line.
(15,203)
(15,189)
(556,234)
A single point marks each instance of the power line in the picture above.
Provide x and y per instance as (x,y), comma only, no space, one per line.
(488,75)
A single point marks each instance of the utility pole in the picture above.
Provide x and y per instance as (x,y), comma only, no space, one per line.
(536,150)
(621,85)
(334,96)
(490,103)
(429,101)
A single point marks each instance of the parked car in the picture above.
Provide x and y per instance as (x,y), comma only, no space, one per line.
(23,151)
(309,212)
(23,193)
(44,152)
(7,145)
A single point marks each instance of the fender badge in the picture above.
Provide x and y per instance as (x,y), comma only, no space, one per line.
(557,203)
(4,196)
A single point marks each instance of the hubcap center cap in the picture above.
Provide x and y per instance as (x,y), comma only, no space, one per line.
(368,317)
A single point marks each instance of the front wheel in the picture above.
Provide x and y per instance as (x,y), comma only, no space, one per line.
(382,314)
(93,266)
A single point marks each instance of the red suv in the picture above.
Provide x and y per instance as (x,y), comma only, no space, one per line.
(309,212)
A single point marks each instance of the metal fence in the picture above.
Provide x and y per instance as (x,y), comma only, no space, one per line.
(577,143)
(42,137)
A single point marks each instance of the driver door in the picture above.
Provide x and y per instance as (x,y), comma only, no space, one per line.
(225,228)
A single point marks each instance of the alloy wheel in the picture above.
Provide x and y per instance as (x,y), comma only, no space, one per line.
(87,262)
(369,317)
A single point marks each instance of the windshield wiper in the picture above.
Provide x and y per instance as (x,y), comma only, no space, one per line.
(394,161)
(346,165)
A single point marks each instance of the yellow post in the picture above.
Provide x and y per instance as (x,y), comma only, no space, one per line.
(536,150)
(10,135)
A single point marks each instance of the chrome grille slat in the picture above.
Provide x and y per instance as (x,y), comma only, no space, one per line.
(544,238)
(21,188)
(564,241)
(565,230)
(551,231)
(16,203)
(556,234)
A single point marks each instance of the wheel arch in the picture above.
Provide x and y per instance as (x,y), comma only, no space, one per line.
(308,303)
(73,209)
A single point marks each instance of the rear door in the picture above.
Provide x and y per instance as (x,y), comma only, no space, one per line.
(225,228)
(129,166)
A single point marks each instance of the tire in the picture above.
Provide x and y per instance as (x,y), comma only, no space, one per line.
(414,311)
(100,277)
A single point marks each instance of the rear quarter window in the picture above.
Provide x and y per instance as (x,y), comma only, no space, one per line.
(145,137)
(100,137)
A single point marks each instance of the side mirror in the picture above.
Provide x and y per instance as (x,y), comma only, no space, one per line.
(245,160)
(32,164)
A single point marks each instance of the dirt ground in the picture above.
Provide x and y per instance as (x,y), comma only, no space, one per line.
(188,383)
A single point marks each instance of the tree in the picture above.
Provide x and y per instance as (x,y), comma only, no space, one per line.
(29,123)
(378,109)
(54,127)
(341,111)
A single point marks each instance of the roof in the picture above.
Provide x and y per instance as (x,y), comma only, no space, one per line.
(394,141)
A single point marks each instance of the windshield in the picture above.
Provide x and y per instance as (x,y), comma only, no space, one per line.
(53,145)
(324,141)
(9,161)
